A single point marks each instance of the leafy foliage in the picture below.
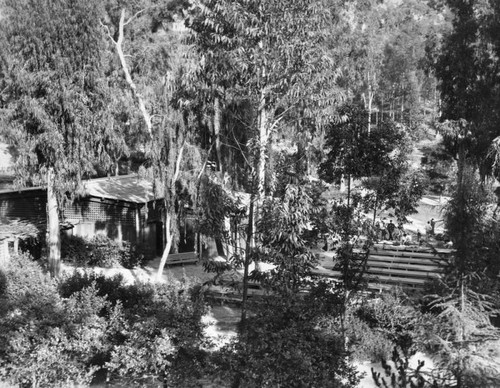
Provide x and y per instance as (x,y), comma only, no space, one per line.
(397,318)
(61,335)
(353,151)
(100,251)
(56,88)
(283,345)
(281,233)
(401,376)
(465,295)
(466,68)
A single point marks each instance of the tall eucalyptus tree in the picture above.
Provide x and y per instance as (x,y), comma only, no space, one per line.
(155,66)
(56,97)
(278,55)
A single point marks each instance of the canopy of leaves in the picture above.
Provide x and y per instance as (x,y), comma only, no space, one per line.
(468,69)
(355,152)
(55,83)
(281,232)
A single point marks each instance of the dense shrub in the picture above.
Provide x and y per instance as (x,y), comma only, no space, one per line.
(61,334)
(282,345)
(46,340)
(26,286)
(395,317)
(113,288)
(100,251)
(367,343)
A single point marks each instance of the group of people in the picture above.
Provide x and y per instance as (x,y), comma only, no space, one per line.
(389,231)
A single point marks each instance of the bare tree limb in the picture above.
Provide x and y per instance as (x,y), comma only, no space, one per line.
(119,50)
(134,16)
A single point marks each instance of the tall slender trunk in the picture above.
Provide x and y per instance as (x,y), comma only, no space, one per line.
(369,108)
(53,231)
(375,209)
(133,87)
(169,237)
(263,138)
(217,127)
(402,108)
(170,214)
(461,334)
(248,252)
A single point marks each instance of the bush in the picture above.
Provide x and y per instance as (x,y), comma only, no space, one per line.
(367,343)
(160,330)
(60,334)
(26,286)
(282,346)
(100,251)
(113,288)
(75,249)
(46,340)
(394,315)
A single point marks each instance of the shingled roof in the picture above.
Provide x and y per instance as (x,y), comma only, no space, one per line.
(128,188)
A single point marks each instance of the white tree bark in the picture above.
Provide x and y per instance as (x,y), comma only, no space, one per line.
(53,232)
(263,139)
(133,87)
(169,236)
(217,127)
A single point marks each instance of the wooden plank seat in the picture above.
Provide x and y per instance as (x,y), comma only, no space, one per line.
(398,280)
(182,258)
(328,273)
(411,248)
(407,260)
(401,272)
(406,254)
(403,266)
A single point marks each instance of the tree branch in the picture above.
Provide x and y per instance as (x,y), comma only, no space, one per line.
(119,50)
(134,16)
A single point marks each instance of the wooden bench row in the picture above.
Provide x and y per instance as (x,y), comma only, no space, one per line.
(405,266)
(182,258)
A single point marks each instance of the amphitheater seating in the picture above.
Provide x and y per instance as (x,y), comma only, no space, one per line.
(397,265)
(406,266)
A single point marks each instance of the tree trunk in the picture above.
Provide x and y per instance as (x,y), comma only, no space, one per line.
(263,138)
(170,215)
(169,238)
(53,231)
(369,108)
(248,252)
(217,127)
(402,108)
(229,247)
(133,87)
(375,209)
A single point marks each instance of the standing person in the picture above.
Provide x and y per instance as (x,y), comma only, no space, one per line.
(383,231)
(390,229)
(433,225)
(419,236)
(428,231)
(377,230)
